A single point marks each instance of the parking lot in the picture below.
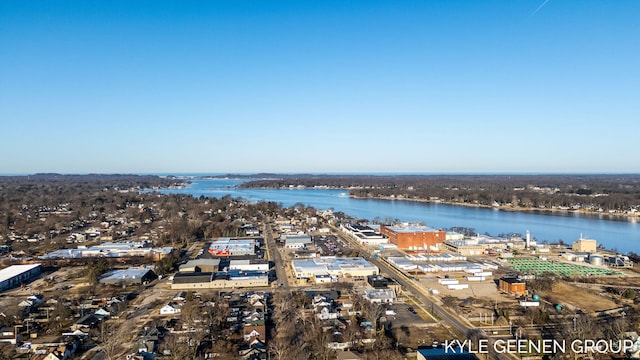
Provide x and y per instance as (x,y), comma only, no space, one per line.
(329,245)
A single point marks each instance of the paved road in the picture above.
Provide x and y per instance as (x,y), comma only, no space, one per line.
(274,255)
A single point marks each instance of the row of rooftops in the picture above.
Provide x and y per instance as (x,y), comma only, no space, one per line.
(108,249)
(204,277)
(329,264)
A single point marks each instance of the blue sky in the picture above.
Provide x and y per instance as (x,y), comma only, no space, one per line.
(319,86)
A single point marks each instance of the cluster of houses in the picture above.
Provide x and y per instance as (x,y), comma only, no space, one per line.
(246,314)
(33,337)
(337,315)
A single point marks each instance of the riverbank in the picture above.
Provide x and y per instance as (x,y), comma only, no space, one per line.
(548,211)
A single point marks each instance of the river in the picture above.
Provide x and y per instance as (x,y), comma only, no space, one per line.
(621,235)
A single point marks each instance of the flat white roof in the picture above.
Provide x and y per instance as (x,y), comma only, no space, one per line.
(127,274)
(411,229)
(328,263)
(15,270)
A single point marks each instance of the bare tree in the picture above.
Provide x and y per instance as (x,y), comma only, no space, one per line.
(112,338)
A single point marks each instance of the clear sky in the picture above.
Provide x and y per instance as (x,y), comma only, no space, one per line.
(319,86)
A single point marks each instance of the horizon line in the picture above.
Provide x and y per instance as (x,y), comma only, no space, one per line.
(325,173)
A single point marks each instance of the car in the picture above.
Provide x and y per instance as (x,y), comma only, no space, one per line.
(410,309)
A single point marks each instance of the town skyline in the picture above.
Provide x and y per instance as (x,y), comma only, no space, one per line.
(332,87)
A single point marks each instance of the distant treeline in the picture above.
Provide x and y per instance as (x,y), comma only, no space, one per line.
(618,193)
(38,213)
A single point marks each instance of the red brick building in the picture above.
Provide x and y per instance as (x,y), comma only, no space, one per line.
(513,286)
(414,237)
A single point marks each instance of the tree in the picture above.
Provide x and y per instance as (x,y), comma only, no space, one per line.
(450,301)
(318,340)
(112,338)
(96,269)
(166,264)
(7,351)
(60,316)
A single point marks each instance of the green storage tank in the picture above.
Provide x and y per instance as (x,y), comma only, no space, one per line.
(536,297)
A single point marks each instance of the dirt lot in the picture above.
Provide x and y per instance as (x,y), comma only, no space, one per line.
(566,293)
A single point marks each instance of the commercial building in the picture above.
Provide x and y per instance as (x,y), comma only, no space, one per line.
(130,276)
(380,296)
(220,280)
(296,241)
(585,245)
(512,286)
(201,265)
(465,248)
(414,237)
(334,267)
(232,247)
(15,275)
(110,249)
(378,281)
(365,234)
(249,265)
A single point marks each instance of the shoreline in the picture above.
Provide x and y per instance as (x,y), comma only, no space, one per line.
(544,211)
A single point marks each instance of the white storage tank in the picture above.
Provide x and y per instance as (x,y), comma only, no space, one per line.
(596,260)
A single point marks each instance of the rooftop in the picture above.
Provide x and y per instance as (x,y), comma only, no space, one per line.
(127,274)
(410,228)
(14,270)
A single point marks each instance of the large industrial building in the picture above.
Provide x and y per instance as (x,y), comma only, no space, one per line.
(414,237)
(200,265)
(585,245)
(365,234)
(332,267)
(111,249)
(15,275)
(232,279)
(130,276)
(217,264)
(232,247)
(465,247)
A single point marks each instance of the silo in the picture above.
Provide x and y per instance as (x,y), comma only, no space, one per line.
(596,260)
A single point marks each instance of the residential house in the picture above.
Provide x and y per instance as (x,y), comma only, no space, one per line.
(255,350)
(62,352)
(326,313)
(338,342)
(7,336)
(86,322)
(102,313)
(170,309)
(32,301)
(254,332)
